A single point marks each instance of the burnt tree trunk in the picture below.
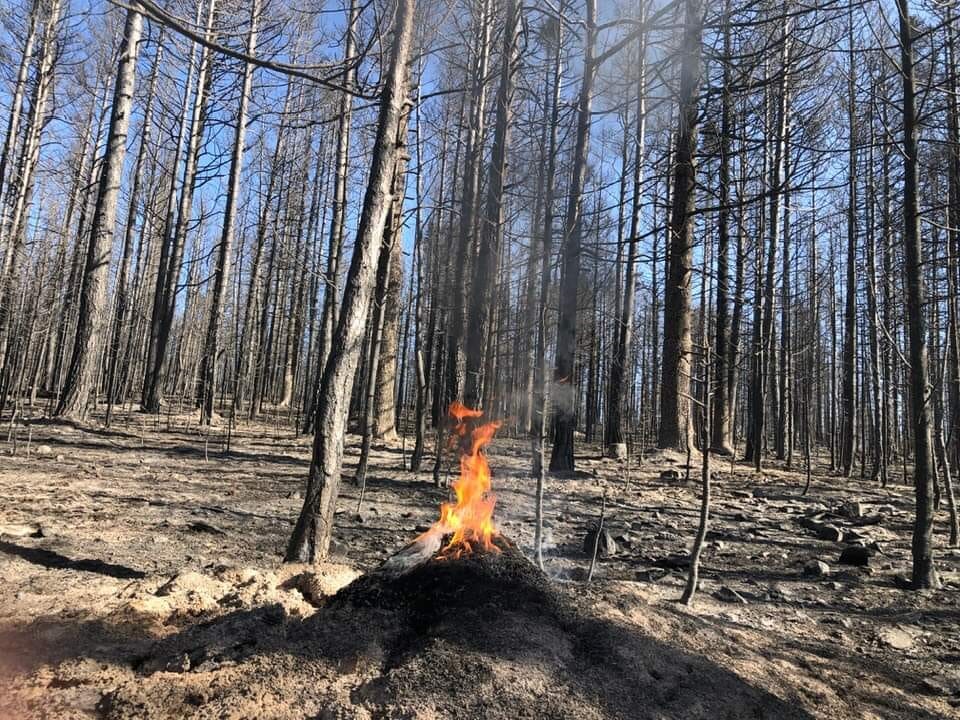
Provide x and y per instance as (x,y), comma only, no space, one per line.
(675,422)
(312,533)
(924,569)
(94,305)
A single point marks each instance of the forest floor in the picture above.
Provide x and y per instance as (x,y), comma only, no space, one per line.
(140,577)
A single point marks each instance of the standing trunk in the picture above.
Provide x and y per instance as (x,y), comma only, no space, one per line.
(565,420)
(331,290)
(677,344)
(924,570)
(615,438)
(385,381)
(312,533)
(538,431)
(785,415)
(765,346)
(419,339)
(848,401)
(13,228)
(221,280)
(484,276)
(169,274)
(122,291)
(457,322)
(94,306)
(13,125)
(389,254)
(720,440)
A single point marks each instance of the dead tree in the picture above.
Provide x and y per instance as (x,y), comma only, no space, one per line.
(924,569)
(221,278)
(564,392)
(313,531)
(481,289)
(675,422)
(94,307)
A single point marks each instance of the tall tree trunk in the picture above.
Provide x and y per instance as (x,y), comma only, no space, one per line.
(13,227)
(538,431)
(924,570)
(564,402)
(421,368)
(221,279)
(481,288)
(615,438)
(385,382)
(677,344)
(175,231)
(722,401)
(94,306)
(458,318)
(122,289)
(12,137)
(312,533)
(331,291)
(848,401)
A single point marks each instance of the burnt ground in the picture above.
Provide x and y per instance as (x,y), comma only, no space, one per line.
(140,578)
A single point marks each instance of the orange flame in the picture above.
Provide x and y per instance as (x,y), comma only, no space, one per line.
(470,518)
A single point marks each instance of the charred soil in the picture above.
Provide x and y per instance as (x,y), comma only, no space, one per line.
(141,579)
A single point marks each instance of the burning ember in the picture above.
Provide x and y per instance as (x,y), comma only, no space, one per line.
(469,520)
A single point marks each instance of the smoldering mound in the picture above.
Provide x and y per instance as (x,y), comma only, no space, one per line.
(486,635)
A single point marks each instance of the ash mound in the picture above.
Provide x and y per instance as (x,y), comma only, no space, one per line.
(484,582)
(486,635)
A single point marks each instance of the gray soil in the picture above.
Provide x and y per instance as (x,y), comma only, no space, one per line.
(140,577)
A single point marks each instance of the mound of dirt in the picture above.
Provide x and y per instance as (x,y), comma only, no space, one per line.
(299,589)
(485,636)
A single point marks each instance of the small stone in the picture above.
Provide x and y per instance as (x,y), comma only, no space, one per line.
(816,568)
(651,574)
(673,562)
(831,533)
(338,548)
(43,450)
(823,531)
(606,545)
(16,530)
(670,475)
(897,638)
(178,664)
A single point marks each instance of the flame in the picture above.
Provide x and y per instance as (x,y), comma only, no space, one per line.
(470,518)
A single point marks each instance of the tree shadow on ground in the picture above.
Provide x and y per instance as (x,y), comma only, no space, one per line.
(54,560)
(175,450)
